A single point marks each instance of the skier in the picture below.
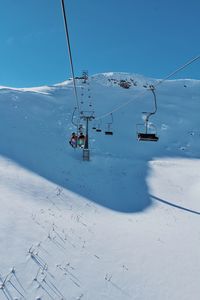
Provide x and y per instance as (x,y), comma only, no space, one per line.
(73,140)
(81,140)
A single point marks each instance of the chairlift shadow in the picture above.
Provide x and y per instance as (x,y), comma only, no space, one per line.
(38,143)
(175,205)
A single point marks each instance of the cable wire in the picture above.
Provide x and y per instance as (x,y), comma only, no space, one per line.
(179,69)
(70,53)
(144,92)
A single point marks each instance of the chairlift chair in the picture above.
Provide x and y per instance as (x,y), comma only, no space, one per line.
(149,133)
(149,137)
(94,126)
(81,141)
(108,130)
(108,133)
(98,128)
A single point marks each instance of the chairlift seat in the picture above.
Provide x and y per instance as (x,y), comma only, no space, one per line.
(98,130)
(108,133)
(151,137)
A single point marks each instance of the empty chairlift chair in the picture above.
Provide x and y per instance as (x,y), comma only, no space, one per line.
(98,128)
(149,132)
(94,126)
(148,136)
(108,130)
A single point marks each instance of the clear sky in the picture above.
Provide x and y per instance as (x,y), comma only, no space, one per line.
(152,38)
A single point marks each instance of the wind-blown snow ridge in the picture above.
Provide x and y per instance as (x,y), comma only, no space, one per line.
(121,75)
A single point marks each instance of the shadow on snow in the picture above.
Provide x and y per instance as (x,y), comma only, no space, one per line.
(33,133)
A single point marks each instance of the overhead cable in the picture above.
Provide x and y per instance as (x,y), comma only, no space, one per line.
(70,52)
(144,92)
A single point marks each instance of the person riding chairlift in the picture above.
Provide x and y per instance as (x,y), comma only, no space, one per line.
(73,140)
(81,140)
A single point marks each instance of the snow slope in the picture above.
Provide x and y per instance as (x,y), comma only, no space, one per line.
(124,225)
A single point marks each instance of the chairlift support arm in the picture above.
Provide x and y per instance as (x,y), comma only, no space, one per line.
(149,114)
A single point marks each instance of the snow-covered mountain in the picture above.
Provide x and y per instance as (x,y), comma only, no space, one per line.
(124,225)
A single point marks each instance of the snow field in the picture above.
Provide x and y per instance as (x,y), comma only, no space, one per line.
(124,225)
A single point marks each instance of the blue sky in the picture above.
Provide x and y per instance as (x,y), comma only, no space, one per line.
(146,37)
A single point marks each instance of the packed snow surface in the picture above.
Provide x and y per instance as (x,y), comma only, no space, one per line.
(124,225)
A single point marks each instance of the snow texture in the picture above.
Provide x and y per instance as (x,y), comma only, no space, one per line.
(124,225)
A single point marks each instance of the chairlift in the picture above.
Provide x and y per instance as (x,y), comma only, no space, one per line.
(108,130)
(84,76)
(94,125)
(77,140)
(149,132)
(98,128)
(81,140)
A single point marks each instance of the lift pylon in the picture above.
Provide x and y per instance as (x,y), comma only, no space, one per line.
(87,116)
